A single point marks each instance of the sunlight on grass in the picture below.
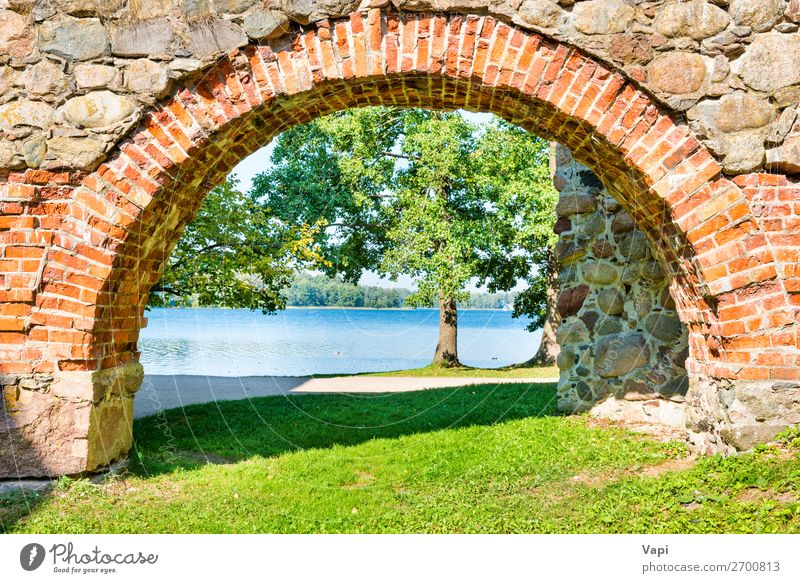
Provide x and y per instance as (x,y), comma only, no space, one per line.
(515,372)
(469,459)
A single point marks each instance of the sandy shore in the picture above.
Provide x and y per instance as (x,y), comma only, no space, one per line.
(161,392)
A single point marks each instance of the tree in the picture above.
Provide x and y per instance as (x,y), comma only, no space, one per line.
(426,194)
(518,181)
(236,254)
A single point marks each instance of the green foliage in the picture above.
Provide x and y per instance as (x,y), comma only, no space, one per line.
(516,181)
(235,254)
(419,193)
(469,459)
(319,290)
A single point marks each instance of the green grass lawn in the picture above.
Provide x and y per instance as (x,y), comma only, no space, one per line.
(514,372)
(470,459)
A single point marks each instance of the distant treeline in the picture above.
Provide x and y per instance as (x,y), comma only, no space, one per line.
(320,291)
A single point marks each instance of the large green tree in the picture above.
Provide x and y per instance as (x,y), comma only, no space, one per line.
(518,182)
(419,193)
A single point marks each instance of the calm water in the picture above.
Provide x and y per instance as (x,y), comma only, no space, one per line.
(300,342)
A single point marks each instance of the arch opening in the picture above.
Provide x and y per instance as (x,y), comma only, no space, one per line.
(112,229)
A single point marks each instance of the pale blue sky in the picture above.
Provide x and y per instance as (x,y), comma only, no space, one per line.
(259,162)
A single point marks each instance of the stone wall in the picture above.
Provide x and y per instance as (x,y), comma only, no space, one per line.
(81,243)
(623,347)
(77,75)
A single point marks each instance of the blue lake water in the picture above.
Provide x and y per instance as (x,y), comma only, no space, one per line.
(299,342)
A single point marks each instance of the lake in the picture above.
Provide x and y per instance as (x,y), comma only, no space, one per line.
(304,341)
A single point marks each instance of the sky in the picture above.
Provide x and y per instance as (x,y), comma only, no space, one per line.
(259,162)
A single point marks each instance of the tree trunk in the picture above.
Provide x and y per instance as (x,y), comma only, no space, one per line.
(549,348)
(447,348)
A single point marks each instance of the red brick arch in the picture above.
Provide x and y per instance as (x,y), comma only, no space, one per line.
(105,236)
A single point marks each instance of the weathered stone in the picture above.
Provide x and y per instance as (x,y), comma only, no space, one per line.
(194,11)
(265,24)
(88,7)
(677,73)
(562,225)
(611,301)
(45,78)
(786,157)
(33,150)
(94,76)
(583,391)
(590,317)
(725,415)
(602,249)
(571,204)
(146,76)
(675,386)
(738,111)
(653,411)
(617,355)
(785,122)
(218,36)
(567,252)
(25,113)
(599,273)
(741,151)
(631,48)
(603,17)
(80,153)
(571,300)
(233,6)
(7,154)
(97,109)
(72,435)
(722,68)
(142,39)
(572,332)
(653,271)
(696,19)
(793,11)
(770,62)
(664,325)
(8,77)
(541,13)
(759,15)
(144,10)
(78,39)
(591,224)
(608,325)
(622,223)
(634,246)
(735,126)
(566,358)
(16,36)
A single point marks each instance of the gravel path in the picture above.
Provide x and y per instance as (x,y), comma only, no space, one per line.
(161,392)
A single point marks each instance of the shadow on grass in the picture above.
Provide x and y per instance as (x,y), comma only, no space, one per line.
(19,503)
(232,431)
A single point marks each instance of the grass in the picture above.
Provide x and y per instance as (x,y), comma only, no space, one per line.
(512,372)
(470,459)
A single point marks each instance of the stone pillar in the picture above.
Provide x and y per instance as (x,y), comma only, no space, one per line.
(67,422)
(623,347)
(725,415)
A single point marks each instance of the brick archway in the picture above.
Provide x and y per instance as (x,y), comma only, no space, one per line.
(88,247)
